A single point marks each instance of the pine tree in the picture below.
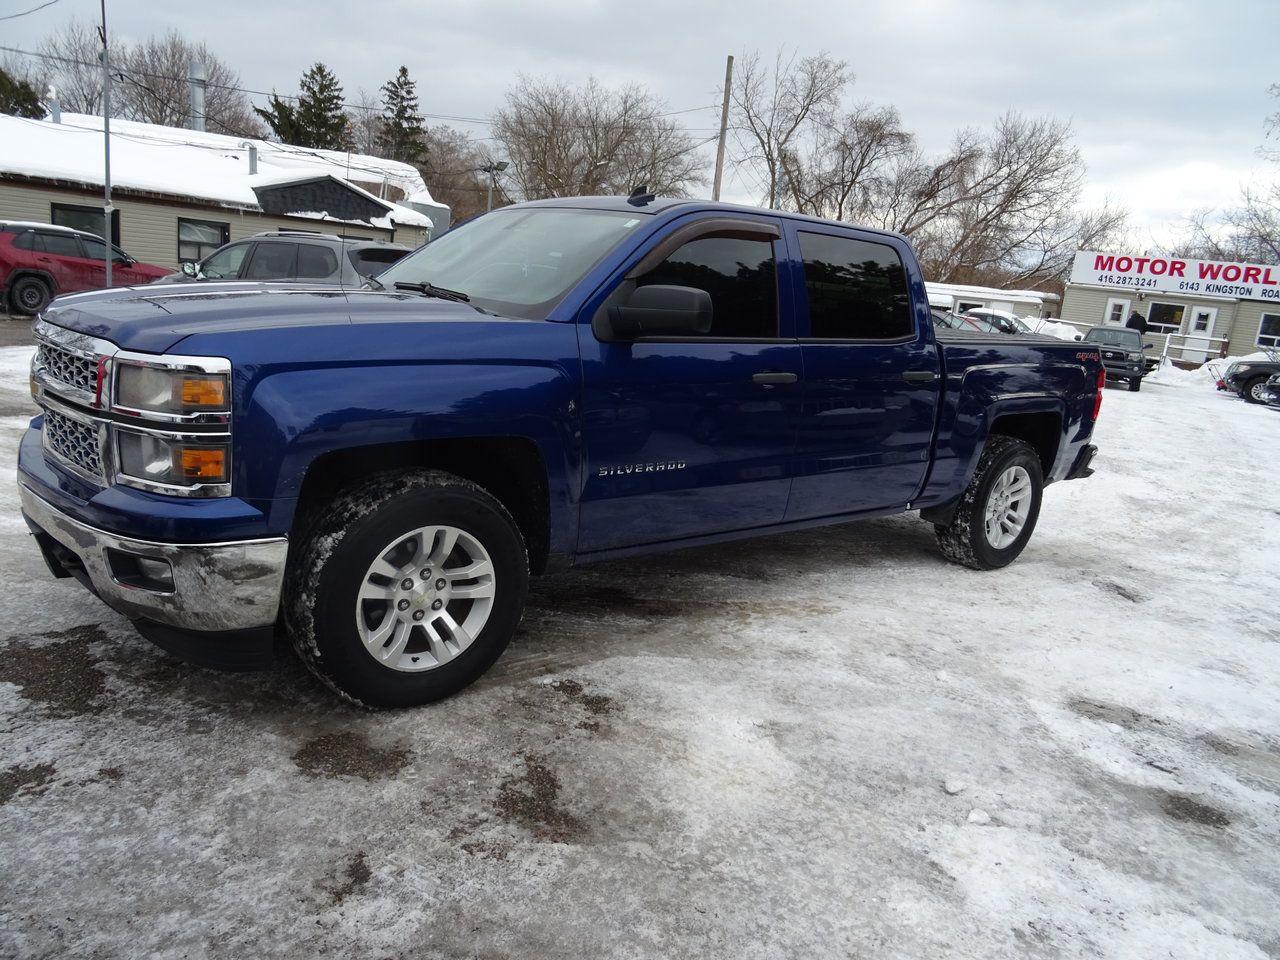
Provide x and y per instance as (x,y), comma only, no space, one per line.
(18,97)
(317,121)
(402,134)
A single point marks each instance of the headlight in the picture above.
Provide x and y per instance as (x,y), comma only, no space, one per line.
(143,388)
(171,461)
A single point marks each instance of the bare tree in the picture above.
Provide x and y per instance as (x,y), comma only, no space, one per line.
(562,140)
(777,108)
(75,70)
(155,88)
(452,172)
(364,120)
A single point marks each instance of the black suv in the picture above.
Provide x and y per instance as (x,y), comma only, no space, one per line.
(284,255)
(1248,378)
(1122,353)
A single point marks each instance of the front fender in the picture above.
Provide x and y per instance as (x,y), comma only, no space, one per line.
(293,416)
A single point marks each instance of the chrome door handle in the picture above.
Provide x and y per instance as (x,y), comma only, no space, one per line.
(771,379)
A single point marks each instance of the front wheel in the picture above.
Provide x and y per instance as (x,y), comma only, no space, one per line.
(408,589)
(1135,384)
(998,510)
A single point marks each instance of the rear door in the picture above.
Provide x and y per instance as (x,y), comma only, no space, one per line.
(689,436)
(62,256)
(871,376)
(272,260)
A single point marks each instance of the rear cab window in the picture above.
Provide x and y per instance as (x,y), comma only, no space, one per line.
(857,289)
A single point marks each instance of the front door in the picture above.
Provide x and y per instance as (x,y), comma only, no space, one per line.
(692,436)
(871,376)
(1200,346)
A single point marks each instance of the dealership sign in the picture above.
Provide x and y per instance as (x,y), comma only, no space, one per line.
(1214,278)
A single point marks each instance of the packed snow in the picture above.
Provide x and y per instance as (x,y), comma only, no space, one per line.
(825,744)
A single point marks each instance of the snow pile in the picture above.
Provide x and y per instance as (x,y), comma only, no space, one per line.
(1053,328)
(1171,375)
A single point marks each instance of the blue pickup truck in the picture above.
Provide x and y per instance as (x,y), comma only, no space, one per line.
(376,473)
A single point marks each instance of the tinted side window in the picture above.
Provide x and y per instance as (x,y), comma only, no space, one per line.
(94,249)
(738,272)
(61,244)
(316,263)
(273,261)
(27,241)
(371,261)
(857,290)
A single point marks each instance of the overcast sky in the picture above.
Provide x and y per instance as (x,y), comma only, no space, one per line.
(1167,99)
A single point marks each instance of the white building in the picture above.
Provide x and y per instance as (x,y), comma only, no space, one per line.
(1024,303)
(178,194)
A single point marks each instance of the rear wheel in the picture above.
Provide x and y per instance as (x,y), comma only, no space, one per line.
(997,512)
(408,589)
(29,295)
(1255,391)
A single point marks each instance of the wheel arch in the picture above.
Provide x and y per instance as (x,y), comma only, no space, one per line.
(509,468)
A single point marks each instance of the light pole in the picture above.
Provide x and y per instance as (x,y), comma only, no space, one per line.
(492,169)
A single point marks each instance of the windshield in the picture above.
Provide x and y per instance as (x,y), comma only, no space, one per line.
(519,261)
(1115,338)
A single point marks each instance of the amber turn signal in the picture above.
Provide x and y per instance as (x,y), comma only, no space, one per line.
(202,463)
(204,392)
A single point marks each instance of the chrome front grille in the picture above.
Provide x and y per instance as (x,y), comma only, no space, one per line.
(68,368)
(72,441)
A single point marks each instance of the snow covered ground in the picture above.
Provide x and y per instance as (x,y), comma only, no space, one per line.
(824,744)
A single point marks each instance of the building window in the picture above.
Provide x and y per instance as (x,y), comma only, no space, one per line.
(964,306)
(1269,331)
(199,238)
(1165,317)
(1117,313)
(88,219)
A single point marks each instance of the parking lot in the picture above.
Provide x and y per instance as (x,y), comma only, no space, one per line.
(828,743)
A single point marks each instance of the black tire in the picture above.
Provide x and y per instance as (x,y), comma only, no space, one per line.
(1253,387)
(29,295)
(324,579)
(964,539)
(1135,384)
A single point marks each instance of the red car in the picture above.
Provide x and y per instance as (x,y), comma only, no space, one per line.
(38,261)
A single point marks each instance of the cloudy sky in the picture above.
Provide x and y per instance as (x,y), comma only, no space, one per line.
(1167,98)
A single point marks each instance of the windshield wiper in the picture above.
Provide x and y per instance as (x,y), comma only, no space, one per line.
(431,290)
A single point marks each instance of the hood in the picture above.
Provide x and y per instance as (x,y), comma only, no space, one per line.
(153,319)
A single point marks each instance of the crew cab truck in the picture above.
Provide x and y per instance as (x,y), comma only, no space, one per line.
(375,473)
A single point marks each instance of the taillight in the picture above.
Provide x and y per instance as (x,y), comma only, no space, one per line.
(1102,385)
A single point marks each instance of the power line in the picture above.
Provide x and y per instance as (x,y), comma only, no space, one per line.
(15,16)
(454,118)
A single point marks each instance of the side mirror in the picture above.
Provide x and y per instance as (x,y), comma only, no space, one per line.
(189,268)
(125,261)
(661,311)
(1146,346)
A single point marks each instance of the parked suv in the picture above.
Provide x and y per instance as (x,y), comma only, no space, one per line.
(38,261)
(1122,353)
(284,255)
(1248,378)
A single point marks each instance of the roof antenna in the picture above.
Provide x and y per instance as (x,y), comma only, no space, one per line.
(640,196)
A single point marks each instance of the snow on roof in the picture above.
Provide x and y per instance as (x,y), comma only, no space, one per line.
(192,163)
(942,292)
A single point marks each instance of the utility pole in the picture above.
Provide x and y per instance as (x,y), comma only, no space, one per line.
(106,144)
(724,127)
(493,169)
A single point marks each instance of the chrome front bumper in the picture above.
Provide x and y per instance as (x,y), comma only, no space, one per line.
(216,587)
